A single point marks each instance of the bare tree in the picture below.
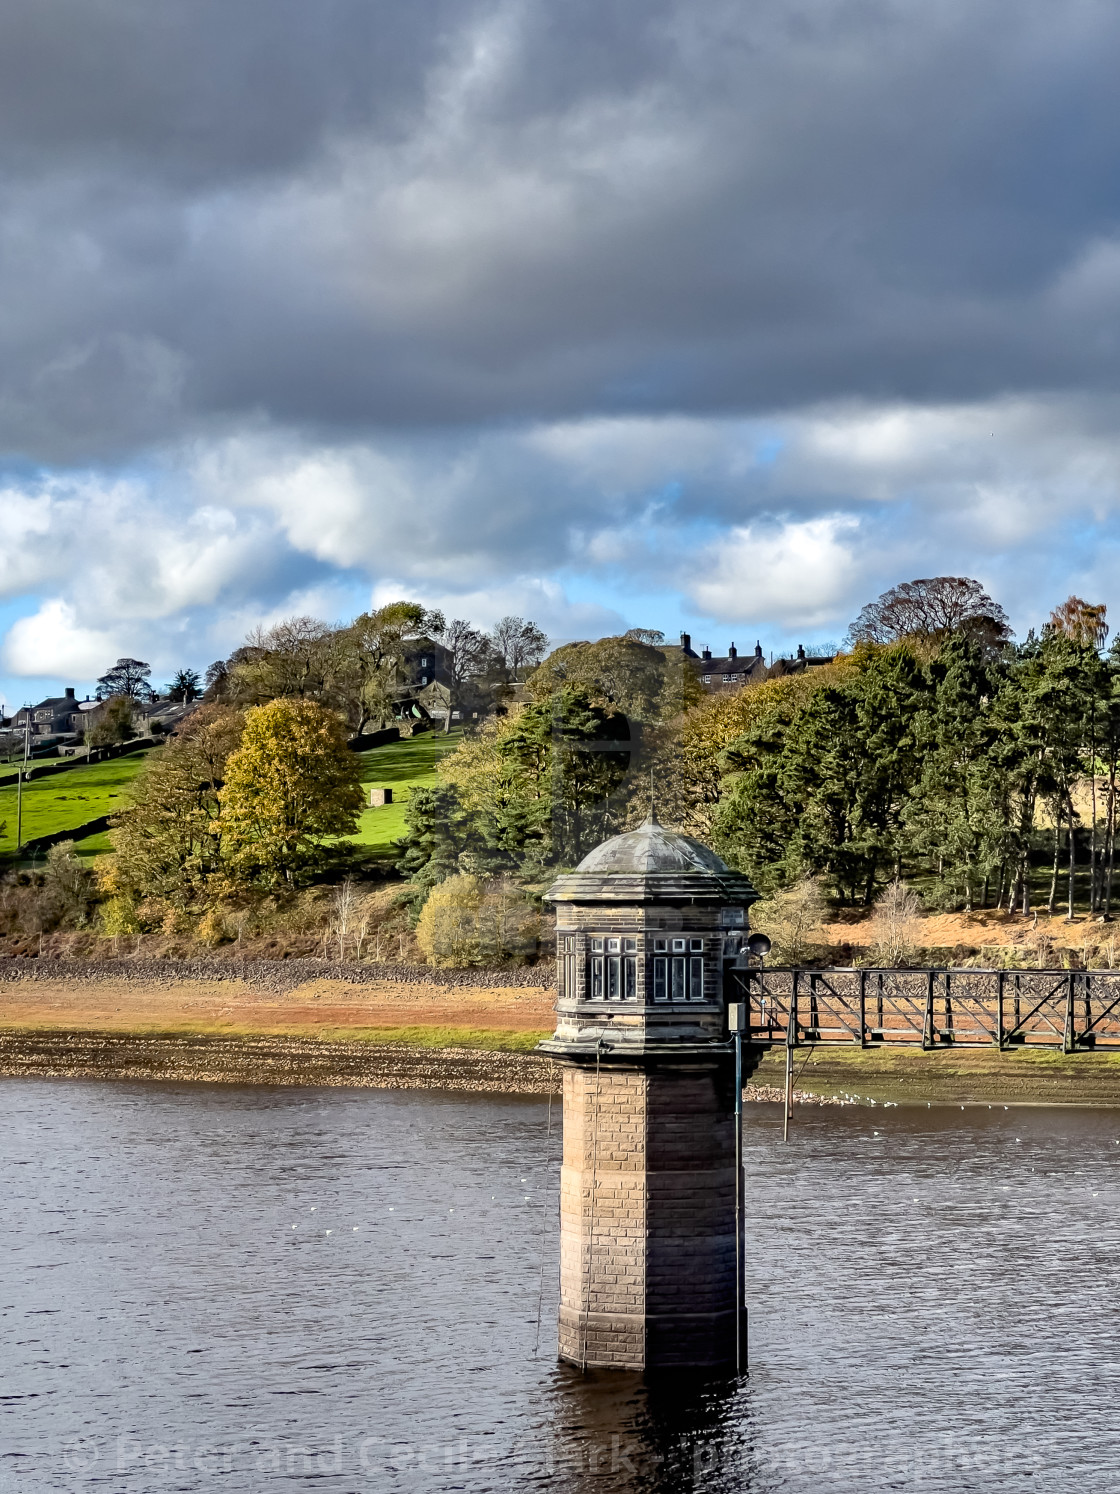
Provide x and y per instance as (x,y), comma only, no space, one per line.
(896,925)
(1082,622)
(293,657)
(344,915)
(932,609)
(468,653)
(520,645)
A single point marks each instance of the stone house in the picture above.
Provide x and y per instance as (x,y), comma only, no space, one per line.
(57,716)
(719,674)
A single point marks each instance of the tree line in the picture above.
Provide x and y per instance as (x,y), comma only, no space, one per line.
(934,749)
(360,668)
(985,769)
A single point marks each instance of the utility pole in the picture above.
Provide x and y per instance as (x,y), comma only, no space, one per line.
(20,777)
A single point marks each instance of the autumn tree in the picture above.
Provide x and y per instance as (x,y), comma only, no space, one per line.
(113,723)
(371,660)
(621,674)
(291,785)
(468,922)
(168,840)
(1081,622)
(294,657)
(930,611)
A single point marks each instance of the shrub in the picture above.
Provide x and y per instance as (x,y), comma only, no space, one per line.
(896,925)
(114,723)
(508,926)
(794,920)
(118,916)
(464,922)
(213,928)
(447,932)
(68,884)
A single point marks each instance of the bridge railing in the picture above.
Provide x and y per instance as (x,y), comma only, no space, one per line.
(1067,1009)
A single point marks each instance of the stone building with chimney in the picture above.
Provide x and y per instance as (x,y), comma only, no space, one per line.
(719,674)
(57,716)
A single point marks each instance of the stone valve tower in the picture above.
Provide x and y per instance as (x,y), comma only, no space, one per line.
(648,1229)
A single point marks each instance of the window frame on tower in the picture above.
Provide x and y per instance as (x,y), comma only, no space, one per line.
(611,969)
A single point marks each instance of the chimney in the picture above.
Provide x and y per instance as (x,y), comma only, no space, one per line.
(686,645)
(800,651)
(706,655)
(69,692)
(731,654)
(758,649)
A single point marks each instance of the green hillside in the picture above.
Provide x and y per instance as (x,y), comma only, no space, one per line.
(67,801)
(401,766)
(83,793)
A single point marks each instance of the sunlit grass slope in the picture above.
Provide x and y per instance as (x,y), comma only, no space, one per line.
(69,800)
(401,766)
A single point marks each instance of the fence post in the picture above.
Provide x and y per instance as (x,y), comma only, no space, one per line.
(862,1007)
(1068,1034)
(927,1025)
(793,1008)
(791,1043)
(999,1009)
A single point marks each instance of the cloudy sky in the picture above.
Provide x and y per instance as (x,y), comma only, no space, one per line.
(679,313)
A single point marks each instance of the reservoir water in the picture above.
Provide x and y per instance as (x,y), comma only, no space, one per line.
(209,1287)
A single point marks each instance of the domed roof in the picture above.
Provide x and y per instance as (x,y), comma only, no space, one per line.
(652,865)
(651,848)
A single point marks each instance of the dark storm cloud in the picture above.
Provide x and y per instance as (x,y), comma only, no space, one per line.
(359,215)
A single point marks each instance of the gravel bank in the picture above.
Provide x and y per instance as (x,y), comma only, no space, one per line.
(280,976)
(271,1060)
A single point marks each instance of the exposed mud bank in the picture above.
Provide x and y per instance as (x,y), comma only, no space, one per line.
(185,1057)
(959,1076)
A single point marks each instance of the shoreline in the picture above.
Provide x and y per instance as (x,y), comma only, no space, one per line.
(310,1022)
(377,1060)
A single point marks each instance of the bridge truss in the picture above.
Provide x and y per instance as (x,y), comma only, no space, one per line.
(1072,1010)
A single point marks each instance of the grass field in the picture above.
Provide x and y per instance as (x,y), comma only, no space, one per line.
(85,793)
(401,766)
(68,800)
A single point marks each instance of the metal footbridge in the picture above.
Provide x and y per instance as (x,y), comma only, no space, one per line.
(1075,1011)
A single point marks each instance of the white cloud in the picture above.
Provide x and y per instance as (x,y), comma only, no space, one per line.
(792,522)
(53,643)
(801,574)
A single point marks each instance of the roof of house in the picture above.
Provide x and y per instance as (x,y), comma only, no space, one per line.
(55,702)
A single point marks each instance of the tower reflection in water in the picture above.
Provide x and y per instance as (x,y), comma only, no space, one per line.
(614,1432)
